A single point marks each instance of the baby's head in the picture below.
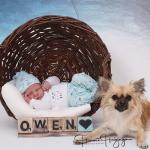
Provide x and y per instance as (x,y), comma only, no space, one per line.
(34,91)
(28,85)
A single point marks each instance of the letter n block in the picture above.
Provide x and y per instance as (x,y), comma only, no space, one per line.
(55,124)
(40,125)
(25,125)
(70,124)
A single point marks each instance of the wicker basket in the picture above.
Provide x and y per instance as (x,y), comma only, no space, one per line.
(54,45)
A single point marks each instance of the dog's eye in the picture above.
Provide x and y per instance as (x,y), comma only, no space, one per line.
(114,97)
(128,97)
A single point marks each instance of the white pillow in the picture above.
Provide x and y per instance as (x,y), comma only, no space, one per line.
(20,108)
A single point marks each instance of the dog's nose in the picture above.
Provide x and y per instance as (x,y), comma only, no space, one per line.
(122,103)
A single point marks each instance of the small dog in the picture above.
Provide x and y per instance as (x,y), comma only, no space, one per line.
(125,112)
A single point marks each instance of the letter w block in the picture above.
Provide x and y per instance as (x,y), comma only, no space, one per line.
(40,125)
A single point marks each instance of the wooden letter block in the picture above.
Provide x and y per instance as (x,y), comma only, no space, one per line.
(85,124)
(25,125)
(55,124)
(70,124)
(40,125)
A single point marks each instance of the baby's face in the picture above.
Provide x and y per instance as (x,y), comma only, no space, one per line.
(34,91)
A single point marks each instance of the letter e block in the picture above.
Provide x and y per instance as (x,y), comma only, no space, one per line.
(55,124)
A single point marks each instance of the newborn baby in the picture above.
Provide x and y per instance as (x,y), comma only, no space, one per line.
(53,94)
(36,90)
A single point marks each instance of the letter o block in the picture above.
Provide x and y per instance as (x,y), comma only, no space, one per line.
(25,125)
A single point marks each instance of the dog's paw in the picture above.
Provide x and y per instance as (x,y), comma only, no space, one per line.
(80,139)
(143,146)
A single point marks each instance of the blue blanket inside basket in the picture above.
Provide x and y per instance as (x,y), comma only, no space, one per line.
(81,90)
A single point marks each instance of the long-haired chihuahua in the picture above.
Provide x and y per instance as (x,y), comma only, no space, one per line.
(125,112)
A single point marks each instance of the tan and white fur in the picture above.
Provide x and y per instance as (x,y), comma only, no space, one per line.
(125,112)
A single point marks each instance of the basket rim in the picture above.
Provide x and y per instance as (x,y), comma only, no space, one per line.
(25,26)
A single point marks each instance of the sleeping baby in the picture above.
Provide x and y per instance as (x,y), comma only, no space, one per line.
(53,94)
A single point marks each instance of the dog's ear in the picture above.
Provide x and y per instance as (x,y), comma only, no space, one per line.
(103,84)
(139,86)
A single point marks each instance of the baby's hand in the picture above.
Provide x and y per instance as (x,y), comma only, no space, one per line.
(46,86)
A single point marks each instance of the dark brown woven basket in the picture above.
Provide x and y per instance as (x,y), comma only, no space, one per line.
(54,45)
